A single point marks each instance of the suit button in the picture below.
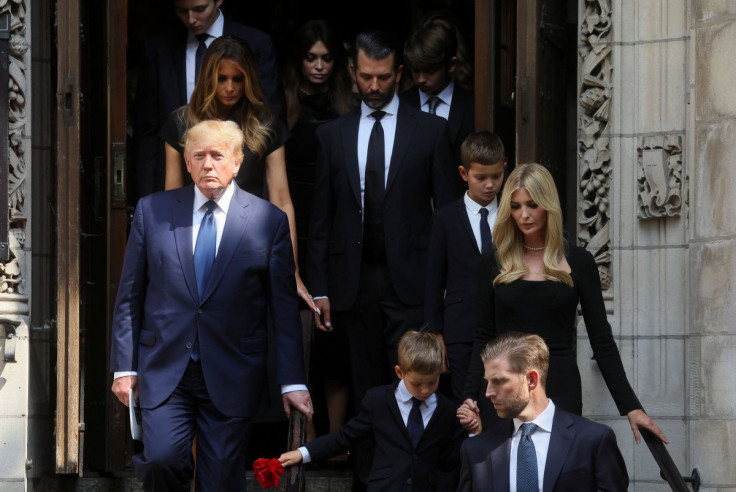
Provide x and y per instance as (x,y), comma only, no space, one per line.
(199,311)
(189,345)
(408,481)
(358,244)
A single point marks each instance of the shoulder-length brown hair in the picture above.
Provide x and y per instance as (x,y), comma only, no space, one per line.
(250,113)
(339,85)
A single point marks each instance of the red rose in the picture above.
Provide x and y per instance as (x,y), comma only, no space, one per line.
(267,472)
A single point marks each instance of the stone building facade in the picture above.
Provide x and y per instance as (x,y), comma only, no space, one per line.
(656,171)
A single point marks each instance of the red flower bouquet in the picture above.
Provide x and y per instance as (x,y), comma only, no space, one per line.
(267,472)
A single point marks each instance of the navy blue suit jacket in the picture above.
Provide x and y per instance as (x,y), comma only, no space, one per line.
(163,87)
(421,173)
(158,310)
(583,457)
(396,464)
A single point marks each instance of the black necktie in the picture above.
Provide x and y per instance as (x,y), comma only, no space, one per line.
(201,48)
(375,189)
(485,230)
(433,102)
(415,424)
(527,479)
(204,256)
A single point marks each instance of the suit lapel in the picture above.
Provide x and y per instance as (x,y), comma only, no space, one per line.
(235,225)
(405,126)
(465,221)
(179,59)
(182,225)
(560,443)
(349,137)
(390,396)
(499,457)
(456,113)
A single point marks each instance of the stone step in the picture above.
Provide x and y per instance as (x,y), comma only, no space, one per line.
(316,481)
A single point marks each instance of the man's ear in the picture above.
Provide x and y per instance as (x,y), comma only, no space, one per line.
(463,172)
(399,372)
(532,378)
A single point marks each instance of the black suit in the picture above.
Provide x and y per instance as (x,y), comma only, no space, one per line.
(451,294)
(163,87)
(396,464)
(461,120)
(582,457)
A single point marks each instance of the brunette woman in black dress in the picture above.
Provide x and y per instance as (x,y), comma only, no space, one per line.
(318,90)
(534,283)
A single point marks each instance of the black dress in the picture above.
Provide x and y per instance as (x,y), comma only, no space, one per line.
(251,176)
(548,309)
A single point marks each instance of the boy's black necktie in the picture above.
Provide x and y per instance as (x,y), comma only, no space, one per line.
(432,103)
(199,55)
(415,424)
(485,230)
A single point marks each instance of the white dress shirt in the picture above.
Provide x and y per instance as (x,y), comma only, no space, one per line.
(445,97)
(215,31)
(388,122)
(540,438)
(403,400)
(473,209)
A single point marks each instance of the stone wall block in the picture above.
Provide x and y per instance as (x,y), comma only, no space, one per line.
(626,303)
(645,467)
(711,10)
(660,19)
(624,21)
(661,86)
(712,287)
(659,381)
(12,448)
(624,191)
(718,398)
(712,212)
(623,101)
(597,399)
(714,91)
(712,449)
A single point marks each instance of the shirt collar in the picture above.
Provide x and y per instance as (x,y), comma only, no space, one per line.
(445,95)
(391,108)
(543,420)
(223,202)
(215,30)
(475,207)
(405,397)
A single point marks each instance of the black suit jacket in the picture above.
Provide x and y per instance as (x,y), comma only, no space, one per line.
(396,464)
(420,174)
(451,294)
(461,120)
(162,89)
(583,457)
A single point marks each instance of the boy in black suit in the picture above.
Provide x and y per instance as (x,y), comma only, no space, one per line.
(415,429)
(461,234)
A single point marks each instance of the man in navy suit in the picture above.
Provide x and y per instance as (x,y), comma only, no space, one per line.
(169,78)
(431,57)
(536,446)
(189,332)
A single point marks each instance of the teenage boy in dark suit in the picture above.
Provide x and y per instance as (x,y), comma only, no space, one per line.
(416,430)
(461,234)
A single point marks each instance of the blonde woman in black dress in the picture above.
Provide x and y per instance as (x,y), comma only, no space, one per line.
(534,283)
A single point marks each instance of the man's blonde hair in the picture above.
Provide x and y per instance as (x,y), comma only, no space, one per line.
(421,352)
(524,352)
(216,131)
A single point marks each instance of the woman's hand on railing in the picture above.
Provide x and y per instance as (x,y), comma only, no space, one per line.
(637,419)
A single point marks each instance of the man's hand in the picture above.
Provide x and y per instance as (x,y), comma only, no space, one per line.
(637,418)
(298,400)
(290,458)
(322,317)
(121,387)
(468,415)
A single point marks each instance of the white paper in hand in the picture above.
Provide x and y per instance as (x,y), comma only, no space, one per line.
(136,429)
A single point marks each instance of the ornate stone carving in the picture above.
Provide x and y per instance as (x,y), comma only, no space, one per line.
(11,273)
(660,176)
(594,160)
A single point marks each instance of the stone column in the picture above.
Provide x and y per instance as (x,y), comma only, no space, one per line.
(712,254)
(633,211)
(14,374)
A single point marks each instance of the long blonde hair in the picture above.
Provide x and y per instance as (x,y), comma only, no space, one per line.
(249,113)
(507,237)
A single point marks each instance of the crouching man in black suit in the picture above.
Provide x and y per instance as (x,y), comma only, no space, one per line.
(536,443)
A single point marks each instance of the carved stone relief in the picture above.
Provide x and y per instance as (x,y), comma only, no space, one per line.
(594,160)
(11,272)
(660,176)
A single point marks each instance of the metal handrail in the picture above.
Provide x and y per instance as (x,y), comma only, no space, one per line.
(667,468)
